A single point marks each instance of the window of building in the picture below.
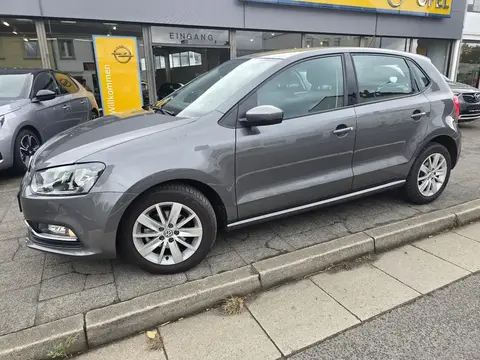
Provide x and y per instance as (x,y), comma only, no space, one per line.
(382,77)
(419,76)
(18,45)
(251,42)
(393,43)
(437,50)
(325,40)
(306,88)
(66,49)
(469,64)
(31,48)
(45,81)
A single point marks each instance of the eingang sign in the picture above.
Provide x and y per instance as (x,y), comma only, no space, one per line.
(429,8)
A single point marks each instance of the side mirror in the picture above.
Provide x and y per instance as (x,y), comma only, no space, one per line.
(43,95)
(263,115)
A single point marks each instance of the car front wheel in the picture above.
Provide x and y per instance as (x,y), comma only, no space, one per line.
(26,144)
(429,174)
(169,230)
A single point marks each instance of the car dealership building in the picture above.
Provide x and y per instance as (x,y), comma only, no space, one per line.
(179,40)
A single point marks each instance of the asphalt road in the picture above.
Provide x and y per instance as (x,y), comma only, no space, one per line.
(442,325)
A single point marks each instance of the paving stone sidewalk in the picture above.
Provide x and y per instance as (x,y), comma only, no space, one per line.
(286,319)
(37,288)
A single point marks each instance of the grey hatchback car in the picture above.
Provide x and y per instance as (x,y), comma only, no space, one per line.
(257,138)
(36,104)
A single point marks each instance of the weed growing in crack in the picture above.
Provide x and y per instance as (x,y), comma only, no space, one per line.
(154,341)
(349,265)
(233,305)
(62,349)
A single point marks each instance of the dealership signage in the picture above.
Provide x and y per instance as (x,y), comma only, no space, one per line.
(118,73)
(184,36)
(428,8)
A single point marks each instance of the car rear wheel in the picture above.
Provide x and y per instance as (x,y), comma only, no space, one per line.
(429,174)
(169,230)
(26,144)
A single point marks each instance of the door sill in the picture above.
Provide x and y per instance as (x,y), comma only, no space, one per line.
(314,205)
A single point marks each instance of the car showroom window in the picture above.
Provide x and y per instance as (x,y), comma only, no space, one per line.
(308,87)
(45,81)
(419,76)
(380,77)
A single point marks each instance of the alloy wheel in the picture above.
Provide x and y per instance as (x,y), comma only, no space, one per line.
(432,174)
(167,233)
(29,144)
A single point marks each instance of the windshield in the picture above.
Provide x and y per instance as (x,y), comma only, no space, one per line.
(15,86)
(207,92)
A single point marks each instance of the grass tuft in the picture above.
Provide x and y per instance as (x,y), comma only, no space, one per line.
(62,349)
(233,305)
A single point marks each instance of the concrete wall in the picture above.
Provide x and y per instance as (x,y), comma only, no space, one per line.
(238,14)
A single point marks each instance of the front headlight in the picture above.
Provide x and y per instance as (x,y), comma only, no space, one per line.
(67,180)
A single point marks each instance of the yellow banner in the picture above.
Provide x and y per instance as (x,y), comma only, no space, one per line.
(118,73)
(428,8)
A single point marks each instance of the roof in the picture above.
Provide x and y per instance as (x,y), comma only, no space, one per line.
(20,70)
(307,52)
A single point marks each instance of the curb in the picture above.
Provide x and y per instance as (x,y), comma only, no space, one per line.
(117,321)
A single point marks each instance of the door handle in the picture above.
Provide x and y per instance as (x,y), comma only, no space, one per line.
(65,106)
(418,115)
(342,130)
(83,102)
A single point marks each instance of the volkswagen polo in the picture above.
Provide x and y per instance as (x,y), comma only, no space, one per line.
(257,138)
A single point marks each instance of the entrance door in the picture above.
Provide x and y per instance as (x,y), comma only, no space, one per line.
(175,66)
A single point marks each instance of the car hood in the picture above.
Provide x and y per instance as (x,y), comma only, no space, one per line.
(93,136)
(460,88)
(7,106)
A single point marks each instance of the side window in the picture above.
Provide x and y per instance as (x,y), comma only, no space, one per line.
(381,77)
(419,76)
(305,88)
(45,81)
(66,83)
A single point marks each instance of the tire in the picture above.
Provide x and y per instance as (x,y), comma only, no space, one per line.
(412,189)
(193,203)
(20,159)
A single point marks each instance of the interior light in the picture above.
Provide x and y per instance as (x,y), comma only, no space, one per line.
(68,21)
(25,39)
(6,23)
(15,32)
(273,34)
(114,28)
(251,39)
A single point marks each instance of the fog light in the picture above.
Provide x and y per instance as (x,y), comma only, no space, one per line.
(61,230)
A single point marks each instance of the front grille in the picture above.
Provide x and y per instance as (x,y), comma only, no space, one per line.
(471,97)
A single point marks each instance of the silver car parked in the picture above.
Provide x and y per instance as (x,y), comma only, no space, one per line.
(257,138)
(36,104)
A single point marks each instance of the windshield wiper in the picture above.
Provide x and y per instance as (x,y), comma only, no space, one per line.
(158,109)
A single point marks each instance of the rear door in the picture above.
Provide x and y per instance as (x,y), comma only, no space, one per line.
(76,98)
(50,112)
(305,158)
(392,118)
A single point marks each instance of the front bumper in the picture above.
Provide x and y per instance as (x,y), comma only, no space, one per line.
(93,218)
(6,155)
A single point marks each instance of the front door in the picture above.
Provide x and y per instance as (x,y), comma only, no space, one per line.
(308,156)
(76,100)
(50,112)
(392,119)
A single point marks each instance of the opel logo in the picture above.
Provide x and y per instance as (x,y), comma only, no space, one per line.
(122,54)
(395,3)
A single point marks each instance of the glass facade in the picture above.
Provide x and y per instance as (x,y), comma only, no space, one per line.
(71,50)
(19,45)
(250,42)
(469,64)
(180,54)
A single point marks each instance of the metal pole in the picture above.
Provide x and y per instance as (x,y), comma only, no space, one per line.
(43,44)
(149,64)
(455,59)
